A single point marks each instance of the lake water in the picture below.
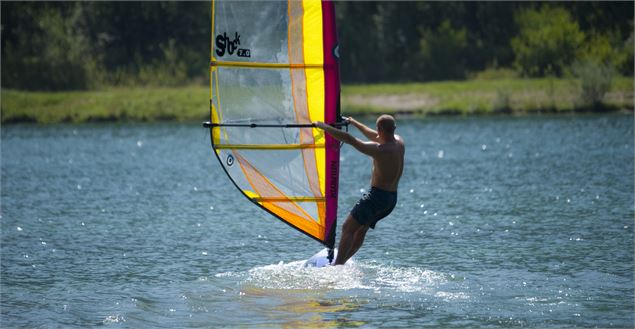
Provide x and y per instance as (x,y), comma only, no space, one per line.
(501,222)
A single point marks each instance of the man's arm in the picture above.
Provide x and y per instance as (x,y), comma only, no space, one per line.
(369,133)
(368,148)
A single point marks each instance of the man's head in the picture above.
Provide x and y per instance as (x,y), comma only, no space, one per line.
(386,125)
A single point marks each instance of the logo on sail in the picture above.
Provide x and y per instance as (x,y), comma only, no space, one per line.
(227,45)
(334,178)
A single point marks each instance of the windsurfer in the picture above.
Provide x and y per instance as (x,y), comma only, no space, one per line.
(387,151)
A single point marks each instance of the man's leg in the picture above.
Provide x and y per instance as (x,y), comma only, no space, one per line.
(346,240)
(352,238)
(358,240)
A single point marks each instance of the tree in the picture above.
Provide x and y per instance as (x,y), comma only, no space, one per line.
(441,53)
(548,41)
(46,48)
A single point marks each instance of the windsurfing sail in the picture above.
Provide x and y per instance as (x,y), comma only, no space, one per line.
(273,72)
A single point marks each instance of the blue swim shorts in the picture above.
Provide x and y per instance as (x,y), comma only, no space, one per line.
(373,206)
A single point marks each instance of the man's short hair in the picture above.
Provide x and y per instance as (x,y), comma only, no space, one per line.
(386,123)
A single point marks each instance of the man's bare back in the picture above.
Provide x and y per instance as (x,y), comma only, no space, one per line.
(387,151)
(388,165)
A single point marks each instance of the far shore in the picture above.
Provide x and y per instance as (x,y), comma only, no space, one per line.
(191,103)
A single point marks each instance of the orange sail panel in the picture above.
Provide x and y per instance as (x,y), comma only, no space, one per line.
(274,71)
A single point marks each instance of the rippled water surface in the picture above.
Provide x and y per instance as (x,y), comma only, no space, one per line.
(501,222)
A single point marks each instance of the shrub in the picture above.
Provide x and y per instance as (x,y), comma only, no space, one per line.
(495,74)
(595,80)
(501,103)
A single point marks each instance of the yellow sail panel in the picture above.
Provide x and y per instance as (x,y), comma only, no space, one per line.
(303,16)
(313,53)
(300,223)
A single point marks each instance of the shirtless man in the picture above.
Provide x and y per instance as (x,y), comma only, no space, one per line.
(387,151)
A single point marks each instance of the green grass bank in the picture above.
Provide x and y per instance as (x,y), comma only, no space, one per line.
(507,96)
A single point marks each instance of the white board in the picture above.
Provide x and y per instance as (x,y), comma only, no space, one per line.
(320,259)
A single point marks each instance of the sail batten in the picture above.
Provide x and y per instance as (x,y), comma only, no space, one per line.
(268,147)
(273,65)
(289,199)
(267,65)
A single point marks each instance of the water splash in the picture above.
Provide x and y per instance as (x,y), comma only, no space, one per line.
(404,279)
(370,276)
